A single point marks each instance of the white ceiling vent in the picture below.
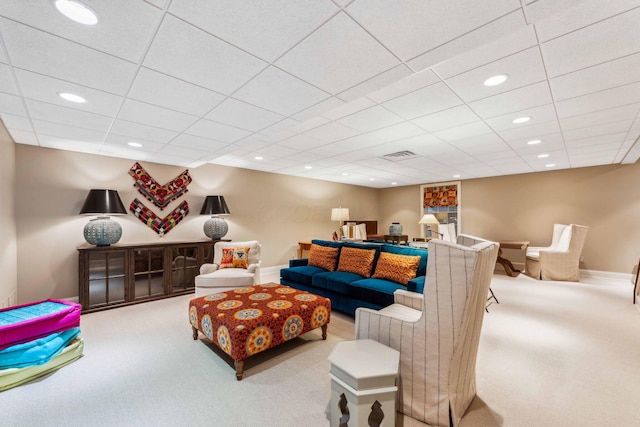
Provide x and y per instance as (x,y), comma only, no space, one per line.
(399,155)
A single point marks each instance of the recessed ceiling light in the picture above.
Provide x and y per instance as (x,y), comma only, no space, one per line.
(550,165)
(394,183)
(456,176)
(543,156)
(134,144)
(77,11)
(496,80)
(534,142)
(258,158)
(72,97)
(521,120)
(344,174)
(308,167)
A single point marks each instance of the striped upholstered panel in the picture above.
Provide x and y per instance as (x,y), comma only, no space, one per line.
(438,351)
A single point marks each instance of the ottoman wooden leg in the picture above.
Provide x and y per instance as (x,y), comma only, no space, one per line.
(195,333)
(324,331)
(239,364)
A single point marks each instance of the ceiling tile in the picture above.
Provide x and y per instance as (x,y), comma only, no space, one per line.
(332,132)
(11,104)
(523,68)
(424,101)
(152,115)
(585,13)
(67,116)
(23,137)
(7,84)
(603,100)
(197,143)
(266,29)
(123,143)
(413,27)
(11,121)
(216,131)
(243,115)
(491,31)
(626,112)
(520,99)
(599,77)
(593,45)
(338,43)
(527,133)
(351,107)
(124,30)
(498,49)
(377,82)
(69,144)
(464,131)
(140,132)
(598,130)
(37,51)
(67,132)
(175,94)
(280,92)
(371,119)
(541,114)
(452,117)
(46,89)
(188,53)
(321,107)
(303,142)
(404,86)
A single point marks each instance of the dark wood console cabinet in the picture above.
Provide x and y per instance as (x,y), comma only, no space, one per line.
(115,276)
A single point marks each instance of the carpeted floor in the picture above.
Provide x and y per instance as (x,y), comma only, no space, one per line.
(551,354)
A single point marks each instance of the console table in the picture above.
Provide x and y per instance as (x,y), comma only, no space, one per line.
(119,275)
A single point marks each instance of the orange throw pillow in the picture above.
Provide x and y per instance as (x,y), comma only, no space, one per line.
(235,258)
(397,268)
(323,257)
(358,261)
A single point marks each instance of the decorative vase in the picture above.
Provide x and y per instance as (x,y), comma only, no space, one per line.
(395,229)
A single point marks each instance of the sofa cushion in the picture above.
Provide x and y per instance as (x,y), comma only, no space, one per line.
(301,274)
(328,243)
(407,250)
(336,281)
(377,291)
(323,257)
(395,267)
(356,260)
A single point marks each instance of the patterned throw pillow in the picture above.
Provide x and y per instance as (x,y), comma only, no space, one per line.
(397,268)
(235,258)
(358,261)
(323,257)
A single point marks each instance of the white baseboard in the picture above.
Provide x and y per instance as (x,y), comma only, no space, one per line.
(271,274)
(591,274)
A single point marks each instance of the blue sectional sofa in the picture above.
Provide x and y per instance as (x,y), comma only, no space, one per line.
(348,290)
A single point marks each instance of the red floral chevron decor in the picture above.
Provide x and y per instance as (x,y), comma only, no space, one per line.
(160,225)
(159,195)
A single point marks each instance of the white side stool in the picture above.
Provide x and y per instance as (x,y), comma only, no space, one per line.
(364,387)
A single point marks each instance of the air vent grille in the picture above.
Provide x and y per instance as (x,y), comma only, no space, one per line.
(399,155)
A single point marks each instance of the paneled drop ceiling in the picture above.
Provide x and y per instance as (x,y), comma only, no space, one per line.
(367,92)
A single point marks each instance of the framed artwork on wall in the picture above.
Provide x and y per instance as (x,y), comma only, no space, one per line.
(443,200)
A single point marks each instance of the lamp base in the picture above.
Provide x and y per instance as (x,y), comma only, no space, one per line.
(215,228)
(102,231)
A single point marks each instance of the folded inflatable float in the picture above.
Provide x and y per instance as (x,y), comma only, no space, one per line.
(27,322)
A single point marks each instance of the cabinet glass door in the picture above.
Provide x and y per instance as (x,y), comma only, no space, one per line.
(148,273)
(106,278)
(184,267)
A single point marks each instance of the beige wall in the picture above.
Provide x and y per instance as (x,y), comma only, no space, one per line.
(8,257)
(525,207)
(51,185)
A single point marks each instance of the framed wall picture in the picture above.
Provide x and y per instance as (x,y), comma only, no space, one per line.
(443,200)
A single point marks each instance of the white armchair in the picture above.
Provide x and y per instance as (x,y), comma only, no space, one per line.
(437,334)
(560,260)
(214,279)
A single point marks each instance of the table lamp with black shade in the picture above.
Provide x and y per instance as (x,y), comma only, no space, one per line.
(215,227)
(102,231)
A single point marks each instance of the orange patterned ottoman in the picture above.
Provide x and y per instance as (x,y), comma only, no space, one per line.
(246,321)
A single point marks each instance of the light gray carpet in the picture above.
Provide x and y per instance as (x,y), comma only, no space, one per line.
(551,354)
